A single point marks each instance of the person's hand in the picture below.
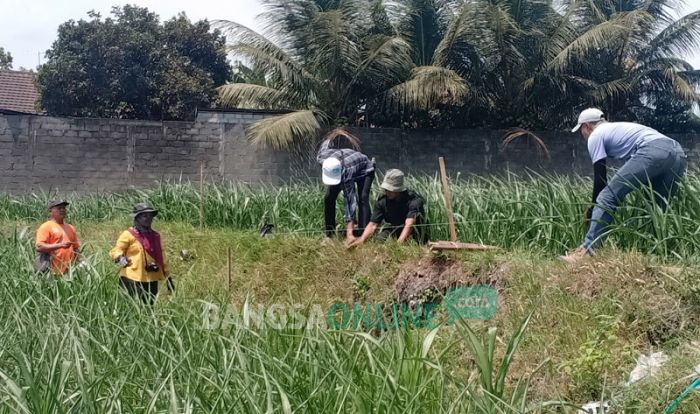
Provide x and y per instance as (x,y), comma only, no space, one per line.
(350,239)
(123,261)
(351,245)
(65,244)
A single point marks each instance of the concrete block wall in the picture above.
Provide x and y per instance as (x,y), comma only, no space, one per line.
(39,153)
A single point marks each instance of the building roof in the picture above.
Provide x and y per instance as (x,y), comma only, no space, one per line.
(17,91)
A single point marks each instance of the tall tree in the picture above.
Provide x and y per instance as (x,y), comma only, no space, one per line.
(132,66)
(461,63)
(624,57)
(5,59)
(323,65)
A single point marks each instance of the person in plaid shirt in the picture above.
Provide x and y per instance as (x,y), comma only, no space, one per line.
(345,169)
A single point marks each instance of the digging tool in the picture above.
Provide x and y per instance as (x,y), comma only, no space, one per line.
(453,244)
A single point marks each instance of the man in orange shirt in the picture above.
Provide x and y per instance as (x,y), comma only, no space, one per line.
(57,239)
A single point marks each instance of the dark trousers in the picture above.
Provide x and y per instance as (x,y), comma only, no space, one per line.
(364,185)
(146,291)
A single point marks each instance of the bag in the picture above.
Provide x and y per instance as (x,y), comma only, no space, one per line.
(42,262)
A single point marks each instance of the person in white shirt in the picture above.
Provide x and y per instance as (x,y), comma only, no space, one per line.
(652,159)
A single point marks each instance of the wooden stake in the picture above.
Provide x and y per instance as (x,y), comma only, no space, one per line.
(201,195)
(448,201)
(228,266)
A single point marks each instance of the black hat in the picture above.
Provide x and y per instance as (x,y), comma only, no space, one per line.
(143,208)
(56,203)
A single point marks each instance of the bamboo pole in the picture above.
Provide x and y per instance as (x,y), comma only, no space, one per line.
(448,201)
(228,266)
(201,195)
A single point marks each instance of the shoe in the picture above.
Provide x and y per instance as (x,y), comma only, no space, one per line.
(576,256)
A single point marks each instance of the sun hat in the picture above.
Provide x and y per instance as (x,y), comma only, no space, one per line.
(140,208)
(589,115)
(331,171)
(393,181)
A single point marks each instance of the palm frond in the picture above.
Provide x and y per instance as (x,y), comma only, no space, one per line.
(252,96)
(428,87)
(664,62)
(520,134)
(681,87)
(680,38)
(339,134)
(388,62)
(612,90)
(264,53)
(333,51)
(454,34)
(422,25)
(287,23)
(562,35)
(284,73)
(282,131)
(600,36)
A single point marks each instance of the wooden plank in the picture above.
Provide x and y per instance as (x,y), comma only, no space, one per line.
(448,245)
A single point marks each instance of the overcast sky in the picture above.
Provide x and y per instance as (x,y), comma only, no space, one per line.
(28,27)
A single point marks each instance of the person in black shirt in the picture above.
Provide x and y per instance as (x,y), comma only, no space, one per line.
(401,208)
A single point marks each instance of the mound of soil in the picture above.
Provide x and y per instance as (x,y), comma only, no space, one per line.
(428,279)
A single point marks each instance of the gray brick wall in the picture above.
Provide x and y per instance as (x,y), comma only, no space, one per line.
(67,154)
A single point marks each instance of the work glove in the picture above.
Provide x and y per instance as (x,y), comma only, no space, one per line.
(123,261)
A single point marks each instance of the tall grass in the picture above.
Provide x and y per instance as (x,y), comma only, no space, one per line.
(544,213)
(81,346)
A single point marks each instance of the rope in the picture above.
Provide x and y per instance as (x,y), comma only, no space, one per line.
(319,232)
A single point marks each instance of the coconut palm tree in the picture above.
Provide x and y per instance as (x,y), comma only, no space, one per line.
(622,56)
(325,60)
(500,63)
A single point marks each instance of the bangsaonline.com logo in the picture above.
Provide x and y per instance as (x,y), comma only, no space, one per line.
(464,302)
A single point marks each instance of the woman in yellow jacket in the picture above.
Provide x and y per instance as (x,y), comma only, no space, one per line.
(140,254)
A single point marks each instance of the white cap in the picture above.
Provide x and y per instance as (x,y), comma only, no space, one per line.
(588,115)
(331,171)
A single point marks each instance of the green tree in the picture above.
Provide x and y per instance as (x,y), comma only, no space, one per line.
(455,63)
(132,66)
(5,59)
(326,60)
(622,56)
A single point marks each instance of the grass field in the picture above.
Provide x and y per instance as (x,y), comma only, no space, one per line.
(80,346)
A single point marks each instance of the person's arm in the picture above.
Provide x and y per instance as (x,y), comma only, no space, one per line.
(415,206)
(600,180)
(76,244)
(349,236)
(118,253)
(42,244)
(324,151)
(349,199)
(50,248)
(368,233)
(407,228)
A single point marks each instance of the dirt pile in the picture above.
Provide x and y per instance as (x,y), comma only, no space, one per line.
(426,280)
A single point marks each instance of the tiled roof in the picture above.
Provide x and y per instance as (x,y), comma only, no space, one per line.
(17,91)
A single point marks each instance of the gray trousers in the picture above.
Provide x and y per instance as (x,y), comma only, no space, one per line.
(660,163)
